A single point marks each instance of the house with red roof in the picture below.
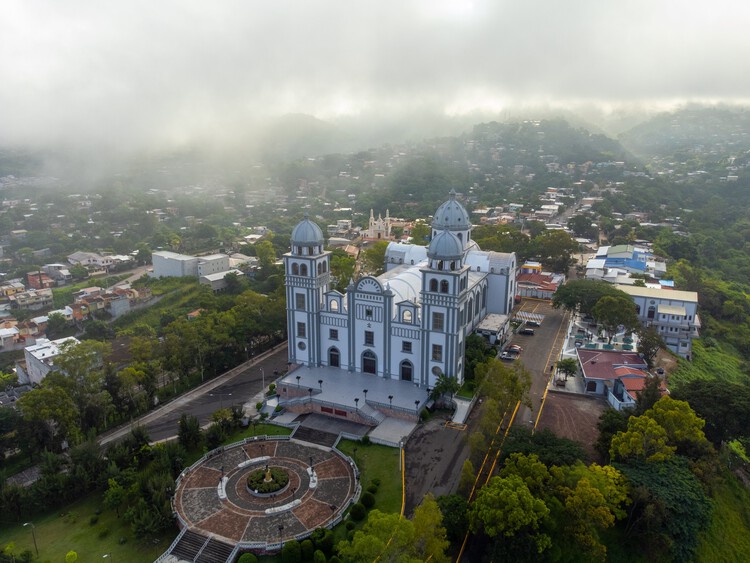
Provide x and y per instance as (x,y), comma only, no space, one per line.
(532,282)
(618,376)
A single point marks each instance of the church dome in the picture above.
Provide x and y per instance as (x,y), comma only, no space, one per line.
(307,233)
(445,246)
(451,215)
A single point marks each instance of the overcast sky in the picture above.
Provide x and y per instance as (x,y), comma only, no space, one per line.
(154,72)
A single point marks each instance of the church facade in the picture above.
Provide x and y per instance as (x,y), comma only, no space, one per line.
(409,323)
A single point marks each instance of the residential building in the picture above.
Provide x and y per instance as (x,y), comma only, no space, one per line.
(673,313)
(213,264)
(40,358)
(33,299)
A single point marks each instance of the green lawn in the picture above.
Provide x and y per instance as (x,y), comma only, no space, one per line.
(728,536)
(378,462)
(70,529)
(710,362)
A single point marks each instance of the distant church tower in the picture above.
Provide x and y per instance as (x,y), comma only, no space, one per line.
(307,269)
(379,228)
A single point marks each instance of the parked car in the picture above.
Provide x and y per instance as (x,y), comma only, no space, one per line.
(508,356)
(526,331)
(514,348)
(533,323)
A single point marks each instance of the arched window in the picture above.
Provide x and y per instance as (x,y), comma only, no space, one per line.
(651,312)
(295,269)
(637,309)
(303,269)
(334,358)
(334,306)
(325,267)
(484,296)
(444,286)
(369,362)
(406,370)
(440,265)
(453,265)
(433,284)
(477,306)
(406,317)
(461,237)
(320,268)
(470,308)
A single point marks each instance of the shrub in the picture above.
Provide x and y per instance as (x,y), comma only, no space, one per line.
(364,440)
(93,520)
(248,558)
(307,549)
(103,533)
(256,480)
(272,389)
(367,499)
(123,540)
(278,408)
(358,512)
(258,406)
(375,482)
(334,559)
(372,489)
(323,539)
(349,525)
(319,557)
(350,535)
(291,552)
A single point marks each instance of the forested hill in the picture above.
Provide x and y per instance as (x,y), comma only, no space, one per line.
(689,131)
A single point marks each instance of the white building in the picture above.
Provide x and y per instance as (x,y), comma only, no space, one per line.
(408,324)
(673,313)
(40,358)
(171,264)
(213,264)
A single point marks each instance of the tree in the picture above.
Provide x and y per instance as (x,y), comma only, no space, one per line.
(582,295)
(684,429)
(55,411)
(568,367)
(468,475)
(649,344)
(610,423)
(430,540)
(420,232)
(234,283)
(613,312)
(455,515)
(506,507)
(374,257)
(266,256)
(534,473)
(342,269)
(385,536)
(723,405)
(506,384)
(79,272)
(555,249)
(189,432)
(115,496)
(56,324)
(644,439)
(445,384)
(669,510)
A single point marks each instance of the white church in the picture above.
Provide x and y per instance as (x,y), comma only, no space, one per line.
(409,324)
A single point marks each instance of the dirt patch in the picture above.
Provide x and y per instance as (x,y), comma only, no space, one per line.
(573,417)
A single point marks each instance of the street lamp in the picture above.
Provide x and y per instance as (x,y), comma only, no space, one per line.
(309,391)
(263,376)
(281,529)
(365,392)
(294,490)
(33,535)
(356,403)
(333,511)
(298,378)
(320,382)
(416,406)
(390,400)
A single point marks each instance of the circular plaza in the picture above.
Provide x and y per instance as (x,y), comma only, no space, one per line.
(213,497)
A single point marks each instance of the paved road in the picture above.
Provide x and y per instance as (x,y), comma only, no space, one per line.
(240,385)
(539,353)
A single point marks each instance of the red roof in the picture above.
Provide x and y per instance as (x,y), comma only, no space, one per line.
(601,364)
(535,279)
